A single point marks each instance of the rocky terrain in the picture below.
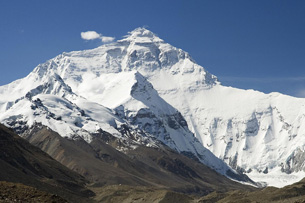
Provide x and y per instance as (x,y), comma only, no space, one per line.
(17,192)
(21,162)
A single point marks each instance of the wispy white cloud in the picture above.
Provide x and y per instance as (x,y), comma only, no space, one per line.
(92,35)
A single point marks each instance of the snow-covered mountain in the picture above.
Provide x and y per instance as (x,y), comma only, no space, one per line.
(124,104)
(161,94)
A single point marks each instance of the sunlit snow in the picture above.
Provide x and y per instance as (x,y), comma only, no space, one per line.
(141,75)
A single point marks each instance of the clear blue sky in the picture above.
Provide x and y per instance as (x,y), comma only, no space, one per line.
(249,44)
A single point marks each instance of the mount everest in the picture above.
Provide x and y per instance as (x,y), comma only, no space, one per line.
(160,94)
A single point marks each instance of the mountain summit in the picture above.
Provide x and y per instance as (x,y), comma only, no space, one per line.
(160,94)
(141,35)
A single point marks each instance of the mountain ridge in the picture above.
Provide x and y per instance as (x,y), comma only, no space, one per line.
(23,163)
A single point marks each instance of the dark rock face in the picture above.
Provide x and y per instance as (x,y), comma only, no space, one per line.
(295,162)
(176,166)
(17,123)
(23,163)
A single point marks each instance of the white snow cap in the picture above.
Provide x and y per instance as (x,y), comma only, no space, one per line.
(142,34)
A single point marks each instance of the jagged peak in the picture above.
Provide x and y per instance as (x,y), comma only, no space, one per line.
(54,84)
(142,34)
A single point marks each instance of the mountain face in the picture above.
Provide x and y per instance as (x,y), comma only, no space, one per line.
(21,162)
(102,164)
(144,91)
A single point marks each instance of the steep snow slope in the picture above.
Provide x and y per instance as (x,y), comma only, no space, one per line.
(261,134)
(146,111)
(253,132)
(50,104)
(135,105)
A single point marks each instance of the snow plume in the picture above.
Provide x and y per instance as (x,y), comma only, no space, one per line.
(91,82)
(107,39)
(91,35)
